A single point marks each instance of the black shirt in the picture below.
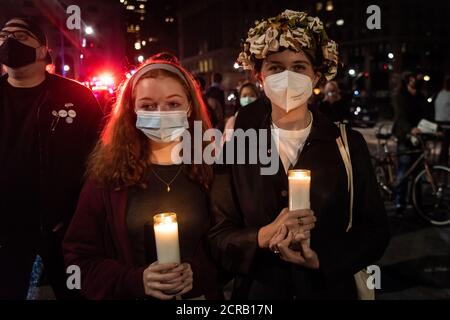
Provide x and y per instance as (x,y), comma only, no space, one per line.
(335,112)
(19,155)
(190,202)
(186,198)
(409,110)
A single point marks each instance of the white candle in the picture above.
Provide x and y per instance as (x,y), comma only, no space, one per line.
(166,237)
(299,186)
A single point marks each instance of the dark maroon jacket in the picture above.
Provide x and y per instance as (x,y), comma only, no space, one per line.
(97,241)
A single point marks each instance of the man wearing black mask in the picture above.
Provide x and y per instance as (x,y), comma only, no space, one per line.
(48,126)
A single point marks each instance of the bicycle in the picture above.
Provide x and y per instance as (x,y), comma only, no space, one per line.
(429,188)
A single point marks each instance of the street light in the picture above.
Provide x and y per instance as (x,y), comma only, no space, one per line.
(106,79)
(137,46)
(329,6)
(426,78)
(66,68)
(340,22)
(352,72)
(236,65)
(232,96)
(390,55)
(141,59)
(89,30)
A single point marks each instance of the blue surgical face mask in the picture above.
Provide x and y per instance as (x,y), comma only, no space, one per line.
(246,100)
(162,126)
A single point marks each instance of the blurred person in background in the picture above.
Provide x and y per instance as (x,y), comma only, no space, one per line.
(442,116)
(248,93)
(333,105)
(409,109)
(215,100)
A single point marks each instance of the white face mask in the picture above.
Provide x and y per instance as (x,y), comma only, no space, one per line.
(165,126)
(288,89)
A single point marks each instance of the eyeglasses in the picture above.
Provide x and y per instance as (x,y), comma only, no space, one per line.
(20,35)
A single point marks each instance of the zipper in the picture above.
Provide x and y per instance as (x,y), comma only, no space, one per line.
(41,158)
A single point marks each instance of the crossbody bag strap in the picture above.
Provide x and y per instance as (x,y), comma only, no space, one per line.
(344,150)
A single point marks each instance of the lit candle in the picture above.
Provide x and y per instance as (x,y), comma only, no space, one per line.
(299,186)
(166,237)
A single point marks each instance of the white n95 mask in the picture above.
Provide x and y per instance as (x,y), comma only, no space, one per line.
(288,89)
(162,126)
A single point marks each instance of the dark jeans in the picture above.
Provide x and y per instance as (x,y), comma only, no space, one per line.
(404,162)
(54,268)
(443,158)
(15,270)
(16,265)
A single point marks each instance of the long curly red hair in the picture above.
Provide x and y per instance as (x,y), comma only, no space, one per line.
(121,157)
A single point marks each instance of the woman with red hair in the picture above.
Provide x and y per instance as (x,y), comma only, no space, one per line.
(133,176)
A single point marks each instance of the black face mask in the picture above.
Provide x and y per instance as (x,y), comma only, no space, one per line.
(15,54)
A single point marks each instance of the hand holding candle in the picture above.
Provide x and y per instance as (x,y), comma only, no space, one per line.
(165,281)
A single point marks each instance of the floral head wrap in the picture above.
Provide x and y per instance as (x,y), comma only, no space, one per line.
(293,30)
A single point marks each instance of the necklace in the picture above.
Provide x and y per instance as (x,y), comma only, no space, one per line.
(163,181)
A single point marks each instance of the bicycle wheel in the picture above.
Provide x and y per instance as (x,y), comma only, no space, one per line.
(433,206)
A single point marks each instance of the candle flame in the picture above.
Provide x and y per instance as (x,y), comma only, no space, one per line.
(165,218)
(299,174)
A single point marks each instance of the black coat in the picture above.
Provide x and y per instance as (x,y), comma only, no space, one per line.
(243,201)
(63,151)
(408,111)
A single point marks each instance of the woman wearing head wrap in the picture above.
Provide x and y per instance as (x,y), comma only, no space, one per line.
(275,253)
